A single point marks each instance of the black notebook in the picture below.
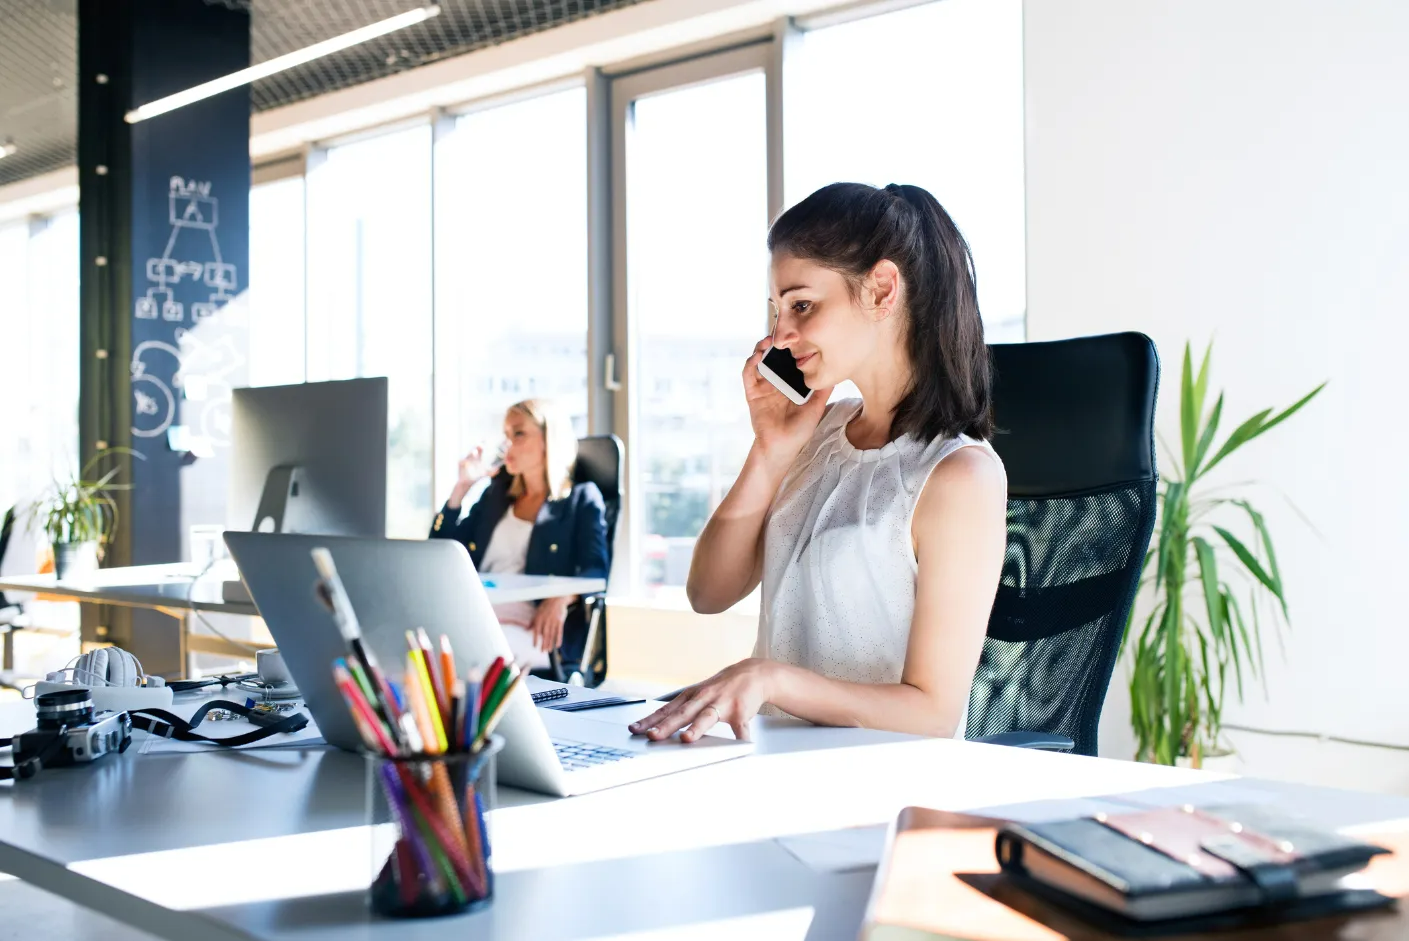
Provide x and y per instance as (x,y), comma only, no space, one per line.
(1183,862)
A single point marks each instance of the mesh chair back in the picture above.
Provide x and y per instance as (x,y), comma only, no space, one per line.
(1075,423)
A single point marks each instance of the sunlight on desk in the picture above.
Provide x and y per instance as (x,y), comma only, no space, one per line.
(785,925)
(181,879)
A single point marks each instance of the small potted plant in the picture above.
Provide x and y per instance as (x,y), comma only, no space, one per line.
(78,514)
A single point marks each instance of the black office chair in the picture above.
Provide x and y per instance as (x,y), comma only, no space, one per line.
(599,461)
(1075,425)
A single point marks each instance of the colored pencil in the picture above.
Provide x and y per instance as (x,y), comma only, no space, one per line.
(487,726)
(497,695)
(423,640)
(491,676)
(401,804)
(447,840)
(361,711)
(437,724)
(470,727)
(416,694)
(447,681)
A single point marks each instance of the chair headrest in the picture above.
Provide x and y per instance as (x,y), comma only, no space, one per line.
(1075,415)
(599,461)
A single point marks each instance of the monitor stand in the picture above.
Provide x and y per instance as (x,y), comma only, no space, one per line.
(280,501)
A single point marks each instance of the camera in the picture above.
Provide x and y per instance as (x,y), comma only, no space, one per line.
(69,732)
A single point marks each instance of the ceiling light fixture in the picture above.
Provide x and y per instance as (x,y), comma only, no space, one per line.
(7,148)
(280,63)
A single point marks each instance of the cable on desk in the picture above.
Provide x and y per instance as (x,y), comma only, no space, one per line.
(1318,736)
(191,590)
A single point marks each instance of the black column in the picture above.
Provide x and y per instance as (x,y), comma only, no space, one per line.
(164,240)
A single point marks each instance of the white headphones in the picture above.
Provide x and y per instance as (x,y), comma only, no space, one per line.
(106,666)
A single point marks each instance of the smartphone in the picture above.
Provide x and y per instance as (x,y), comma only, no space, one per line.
(779,368)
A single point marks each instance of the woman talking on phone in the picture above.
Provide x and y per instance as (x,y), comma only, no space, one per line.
(532,519)
(876,526)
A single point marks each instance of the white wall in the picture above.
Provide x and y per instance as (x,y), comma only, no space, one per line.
(1239,169)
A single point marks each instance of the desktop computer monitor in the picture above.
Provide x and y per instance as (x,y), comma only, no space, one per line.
(310,458)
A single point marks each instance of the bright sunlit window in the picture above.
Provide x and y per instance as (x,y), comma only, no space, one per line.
(369,296)
(511,272)
(276,283)
(697,265)
(39,385)
(931,96)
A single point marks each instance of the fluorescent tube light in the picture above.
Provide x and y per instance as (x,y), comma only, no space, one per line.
(280,63)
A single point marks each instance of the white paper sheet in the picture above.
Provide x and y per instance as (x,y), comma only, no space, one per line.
(228,728)
(838,850)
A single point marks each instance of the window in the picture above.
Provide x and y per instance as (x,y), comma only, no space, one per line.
(39,332)
(511,270)
(276,283)
(369,296)
(944,111)
(39,321)
(697,287)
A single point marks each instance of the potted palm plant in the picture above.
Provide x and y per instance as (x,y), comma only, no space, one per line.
(1208,586)
(78,514)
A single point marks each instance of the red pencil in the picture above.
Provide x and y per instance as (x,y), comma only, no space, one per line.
(361,711)
(491,676)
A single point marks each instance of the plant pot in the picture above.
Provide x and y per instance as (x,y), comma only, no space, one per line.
(75,559)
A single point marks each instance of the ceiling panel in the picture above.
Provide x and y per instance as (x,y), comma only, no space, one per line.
(38,56)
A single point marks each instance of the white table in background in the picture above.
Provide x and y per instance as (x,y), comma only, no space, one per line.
(179,588)
(272,844)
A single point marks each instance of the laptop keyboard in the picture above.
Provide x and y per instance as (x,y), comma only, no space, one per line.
(575,756)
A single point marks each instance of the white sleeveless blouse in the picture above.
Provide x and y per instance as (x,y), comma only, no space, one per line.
(839,565)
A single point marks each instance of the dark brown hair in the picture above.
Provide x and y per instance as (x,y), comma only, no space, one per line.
(850,227)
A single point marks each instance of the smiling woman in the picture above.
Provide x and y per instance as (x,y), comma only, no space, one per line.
(874,525)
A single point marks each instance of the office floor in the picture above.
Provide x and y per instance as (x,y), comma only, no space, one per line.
(31,914)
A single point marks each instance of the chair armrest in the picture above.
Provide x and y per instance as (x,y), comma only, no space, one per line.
(1040,740)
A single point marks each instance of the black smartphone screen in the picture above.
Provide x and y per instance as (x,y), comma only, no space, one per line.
(785,367)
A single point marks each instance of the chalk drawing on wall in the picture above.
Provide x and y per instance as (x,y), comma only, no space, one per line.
(200,369)
(190,209)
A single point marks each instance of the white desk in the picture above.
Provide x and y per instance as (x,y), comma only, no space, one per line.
(176,589)
(271,844)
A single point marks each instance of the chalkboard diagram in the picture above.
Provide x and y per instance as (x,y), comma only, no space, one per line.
(200,369)
(190,208)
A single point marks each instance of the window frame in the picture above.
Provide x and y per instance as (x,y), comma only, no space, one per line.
(625,91)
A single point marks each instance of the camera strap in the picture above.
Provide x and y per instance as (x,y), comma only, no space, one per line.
(31,767)
(166,724)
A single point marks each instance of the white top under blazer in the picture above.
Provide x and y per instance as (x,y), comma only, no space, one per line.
(839,567)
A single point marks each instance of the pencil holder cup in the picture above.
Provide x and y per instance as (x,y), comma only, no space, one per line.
(431,854)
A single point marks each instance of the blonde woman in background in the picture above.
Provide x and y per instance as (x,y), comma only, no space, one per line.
(532,519)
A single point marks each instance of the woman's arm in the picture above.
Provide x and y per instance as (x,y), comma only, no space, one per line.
(728,557)
(448,525)
(959,532)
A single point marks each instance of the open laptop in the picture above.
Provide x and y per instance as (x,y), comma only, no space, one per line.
(395,585)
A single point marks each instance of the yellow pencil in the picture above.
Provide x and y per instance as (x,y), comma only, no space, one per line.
(419,708)
(432,707)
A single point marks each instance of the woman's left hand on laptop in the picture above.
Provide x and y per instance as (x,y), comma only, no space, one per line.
(732,696)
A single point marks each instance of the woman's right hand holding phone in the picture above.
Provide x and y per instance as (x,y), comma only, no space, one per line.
(780,428)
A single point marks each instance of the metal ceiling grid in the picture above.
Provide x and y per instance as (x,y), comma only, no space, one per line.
(38,56)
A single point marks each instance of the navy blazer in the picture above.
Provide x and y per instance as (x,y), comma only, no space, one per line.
(569,536)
